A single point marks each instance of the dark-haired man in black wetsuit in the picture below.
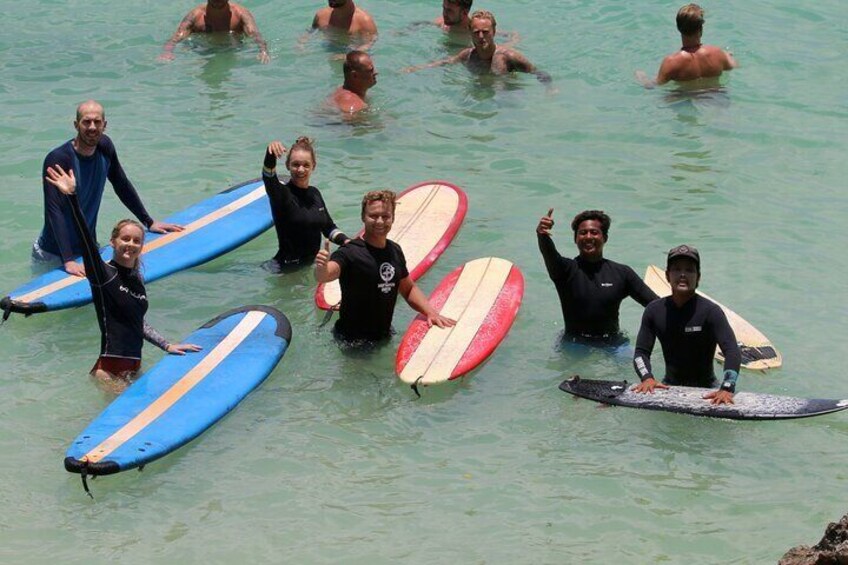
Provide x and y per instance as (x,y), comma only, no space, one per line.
(590,287)
(689,327)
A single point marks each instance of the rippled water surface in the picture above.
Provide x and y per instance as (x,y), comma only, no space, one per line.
(332,460)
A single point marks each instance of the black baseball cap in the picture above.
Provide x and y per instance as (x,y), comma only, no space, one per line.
(684,251)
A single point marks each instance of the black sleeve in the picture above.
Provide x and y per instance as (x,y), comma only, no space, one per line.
(726,339)
(553,260)
(278,195)
(54,202)
(330,229)
(644,347)
(637,289)
(121,184)
(95,269)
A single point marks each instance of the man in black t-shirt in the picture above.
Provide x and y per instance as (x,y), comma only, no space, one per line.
(689,327)
(371,272)
(590,287)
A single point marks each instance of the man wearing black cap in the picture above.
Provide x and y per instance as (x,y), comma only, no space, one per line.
(591,288)
(688,326)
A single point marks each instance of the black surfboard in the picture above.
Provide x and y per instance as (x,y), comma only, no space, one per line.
(690,400)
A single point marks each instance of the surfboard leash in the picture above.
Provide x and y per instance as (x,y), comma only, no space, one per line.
(329,315)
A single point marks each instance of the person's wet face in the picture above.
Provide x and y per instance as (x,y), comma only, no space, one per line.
(127,245)
(683,276)
(365,72)
(452,13)
(482,33)
(589,238)
(378,218)
(300,167)
(90,124)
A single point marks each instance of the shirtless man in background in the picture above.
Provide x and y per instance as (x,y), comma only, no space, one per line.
(485,56)
(217,16)
(344,16)
(359,76)
(694,61)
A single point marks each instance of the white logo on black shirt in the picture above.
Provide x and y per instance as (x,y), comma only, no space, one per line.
(387,273)
(690,329)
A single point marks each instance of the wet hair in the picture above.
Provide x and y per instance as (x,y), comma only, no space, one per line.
(386,196)
(597,215)
(463,4)
(353,62)
(116,231)
(305,144)
(90,103)
(483,15)
(690,19)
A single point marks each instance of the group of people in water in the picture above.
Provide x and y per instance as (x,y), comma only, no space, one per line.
(371,269)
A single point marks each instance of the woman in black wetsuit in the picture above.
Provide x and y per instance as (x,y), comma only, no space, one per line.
(117,289)
(300,214)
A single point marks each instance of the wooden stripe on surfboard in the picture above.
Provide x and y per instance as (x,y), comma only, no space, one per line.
(179,389)
(194,226)
(442,348)
(416,238)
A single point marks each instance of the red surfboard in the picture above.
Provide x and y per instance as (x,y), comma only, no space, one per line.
(483,296)
(427,217)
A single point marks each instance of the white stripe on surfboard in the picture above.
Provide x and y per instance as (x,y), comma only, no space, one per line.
(470,301)
(179,389)
(199,223)
(417,239)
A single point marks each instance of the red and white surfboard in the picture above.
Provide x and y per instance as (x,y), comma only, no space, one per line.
(483,296)
(427,217)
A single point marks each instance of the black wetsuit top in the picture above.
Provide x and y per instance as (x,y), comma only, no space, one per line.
(57,235)
(688,336)
(370,280)
(119,297)
(300,217)
(590,292)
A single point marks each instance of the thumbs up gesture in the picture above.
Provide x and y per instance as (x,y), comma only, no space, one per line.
(321,261)
(546,223)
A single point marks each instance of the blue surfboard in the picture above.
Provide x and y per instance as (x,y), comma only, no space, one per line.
(183,395)
(212,227)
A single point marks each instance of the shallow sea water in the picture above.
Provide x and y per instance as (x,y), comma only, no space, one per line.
(332,460)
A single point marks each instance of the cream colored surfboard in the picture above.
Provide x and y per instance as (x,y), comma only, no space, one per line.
(483,296)
(427,217)
(758,353)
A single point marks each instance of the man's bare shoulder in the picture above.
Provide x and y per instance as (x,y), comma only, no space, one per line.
(240,10)
(194,17)
(322,17)
(364,21)
(347,101)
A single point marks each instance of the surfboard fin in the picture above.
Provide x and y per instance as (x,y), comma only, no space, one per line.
(327,317)
(84,476)
(414,386)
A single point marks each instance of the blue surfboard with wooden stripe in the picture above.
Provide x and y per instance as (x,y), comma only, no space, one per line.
(212,227)
(183,395)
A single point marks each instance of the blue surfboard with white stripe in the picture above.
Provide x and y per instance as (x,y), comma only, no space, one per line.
(212,227)
(183,395)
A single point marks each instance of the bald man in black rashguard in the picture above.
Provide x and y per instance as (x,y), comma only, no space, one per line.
(590,287)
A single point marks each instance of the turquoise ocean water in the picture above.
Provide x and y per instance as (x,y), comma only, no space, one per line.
(332,460)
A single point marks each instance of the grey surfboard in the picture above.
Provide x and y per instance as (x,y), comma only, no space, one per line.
(689,400)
